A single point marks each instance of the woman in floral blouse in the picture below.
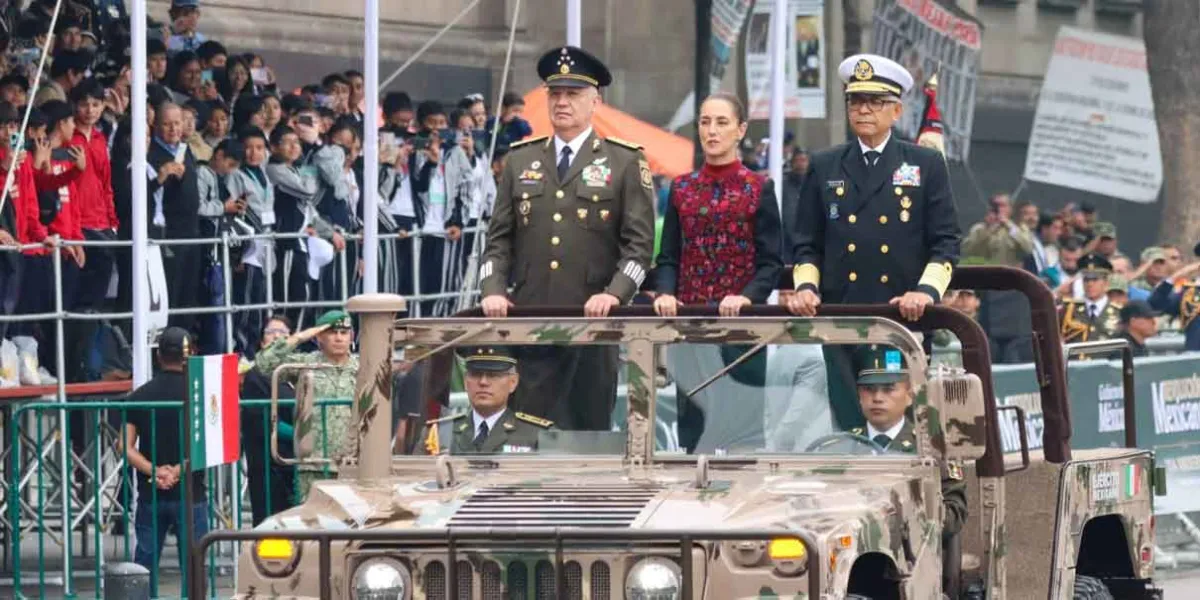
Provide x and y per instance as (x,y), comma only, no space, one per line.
(721,244)
(721,236)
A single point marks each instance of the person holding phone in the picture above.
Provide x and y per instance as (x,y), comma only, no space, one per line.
(97,211)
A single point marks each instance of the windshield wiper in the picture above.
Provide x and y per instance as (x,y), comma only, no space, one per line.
(733,365)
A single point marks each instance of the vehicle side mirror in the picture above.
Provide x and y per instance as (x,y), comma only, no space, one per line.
(963,415)
(303,417)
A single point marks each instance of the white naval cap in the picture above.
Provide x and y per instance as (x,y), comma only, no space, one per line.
(874,74)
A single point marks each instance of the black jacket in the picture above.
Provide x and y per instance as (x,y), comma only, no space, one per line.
(872,232)
(181,195)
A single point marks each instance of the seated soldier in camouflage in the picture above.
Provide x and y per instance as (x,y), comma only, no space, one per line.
(885,396)
(334,435)
(489,427)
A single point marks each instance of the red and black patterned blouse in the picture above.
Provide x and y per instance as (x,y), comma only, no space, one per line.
(720,236)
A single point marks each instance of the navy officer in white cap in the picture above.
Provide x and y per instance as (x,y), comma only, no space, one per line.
(876,221)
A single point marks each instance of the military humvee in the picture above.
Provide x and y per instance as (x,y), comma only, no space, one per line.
(584,517)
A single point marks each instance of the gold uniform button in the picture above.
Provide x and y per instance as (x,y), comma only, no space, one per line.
(558,194)
(557,217)
(852,247)
(884,248)
(554,241)
(899,191)
(853,276)
(595,197)
(883,219)
(554,265)
(883,279)
(853,218)
(525,196)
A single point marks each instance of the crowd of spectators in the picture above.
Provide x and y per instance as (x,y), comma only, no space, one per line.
(230,152)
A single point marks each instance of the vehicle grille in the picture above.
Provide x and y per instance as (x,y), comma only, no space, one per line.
(601,581)
(492,586)
(614,506)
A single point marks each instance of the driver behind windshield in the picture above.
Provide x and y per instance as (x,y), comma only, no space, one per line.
(885,395)
(489,427)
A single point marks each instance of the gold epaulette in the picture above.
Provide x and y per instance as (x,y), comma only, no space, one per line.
(447,418)
(527,141)
(540,422)
(621,142)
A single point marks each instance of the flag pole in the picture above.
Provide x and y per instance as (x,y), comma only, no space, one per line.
(189,495)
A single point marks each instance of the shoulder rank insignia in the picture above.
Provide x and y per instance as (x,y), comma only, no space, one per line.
(906,444)
(529,140)
(858,431)
(621,142)
(446,418)
(540,422)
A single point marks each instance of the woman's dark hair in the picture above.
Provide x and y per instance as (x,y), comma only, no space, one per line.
(224,79)
(176,69)
(739,109)
(281,318)
(246,107)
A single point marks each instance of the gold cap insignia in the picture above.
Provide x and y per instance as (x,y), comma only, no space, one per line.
(863,70)
(564,69)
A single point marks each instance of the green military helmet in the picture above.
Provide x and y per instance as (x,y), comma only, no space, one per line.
(879,365)
(493,359)
(335,319)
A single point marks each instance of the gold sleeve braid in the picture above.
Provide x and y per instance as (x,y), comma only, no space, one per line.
(805,273)
(937,276)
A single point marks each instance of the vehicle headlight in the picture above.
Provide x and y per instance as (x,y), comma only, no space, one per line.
(653,578)
(381,579)
(276,557)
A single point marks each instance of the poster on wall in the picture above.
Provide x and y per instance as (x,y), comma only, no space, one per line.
(804,60)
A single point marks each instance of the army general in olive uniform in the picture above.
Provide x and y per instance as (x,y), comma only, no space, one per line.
(490,426)
(1094,317)
(334,334)
(573,225)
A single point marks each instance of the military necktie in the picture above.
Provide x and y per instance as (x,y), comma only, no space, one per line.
(872,157)
(481,436)
(882,440)
(564,163)
(1092,312)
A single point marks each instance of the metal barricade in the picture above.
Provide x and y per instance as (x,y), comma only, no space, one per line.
(60,506)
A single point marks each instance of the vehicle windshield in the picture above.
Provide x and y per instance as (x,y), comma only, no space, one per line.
(727,399)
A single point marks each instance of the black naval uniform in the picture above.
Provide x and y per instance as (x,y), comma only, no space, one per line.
(560,240)
(865,235)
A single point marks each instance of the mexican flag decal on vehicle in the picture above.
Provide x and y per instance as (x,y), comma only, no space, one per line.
(213,409)
(1133,480)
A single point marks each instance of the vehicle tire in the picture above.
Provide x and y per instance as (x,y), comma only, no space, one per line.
(1090,588)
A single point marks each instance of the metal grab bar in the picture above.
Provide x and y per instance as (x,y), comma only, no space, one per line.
(1080,349)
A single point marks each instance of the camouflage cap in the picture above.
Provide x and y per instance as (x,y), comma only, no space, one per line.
(496,359)
(335,319)
(1104,229)
(1153,254)
(875,365)
(1117,283)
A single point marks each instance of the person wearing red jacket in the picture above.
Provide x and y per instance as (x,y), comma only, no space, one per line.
(93,195)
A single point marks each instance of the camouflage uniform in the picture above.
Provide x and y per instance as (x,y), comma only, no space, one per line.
(329,384)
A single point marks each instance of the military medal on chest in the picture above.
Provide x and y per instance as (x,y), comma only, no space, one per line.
(524,208)
(905,204)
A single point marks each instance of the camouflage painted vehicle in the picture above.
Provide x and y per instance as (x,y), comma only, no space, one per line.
(577,519)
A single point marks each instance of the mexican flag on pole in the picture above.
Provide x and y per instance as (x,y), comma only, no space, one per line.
(213,410)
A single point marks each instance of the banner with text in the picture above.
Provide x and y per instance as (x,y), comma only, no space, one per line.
(1167,414)
(804,60)
(928,37)
(1094,129)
